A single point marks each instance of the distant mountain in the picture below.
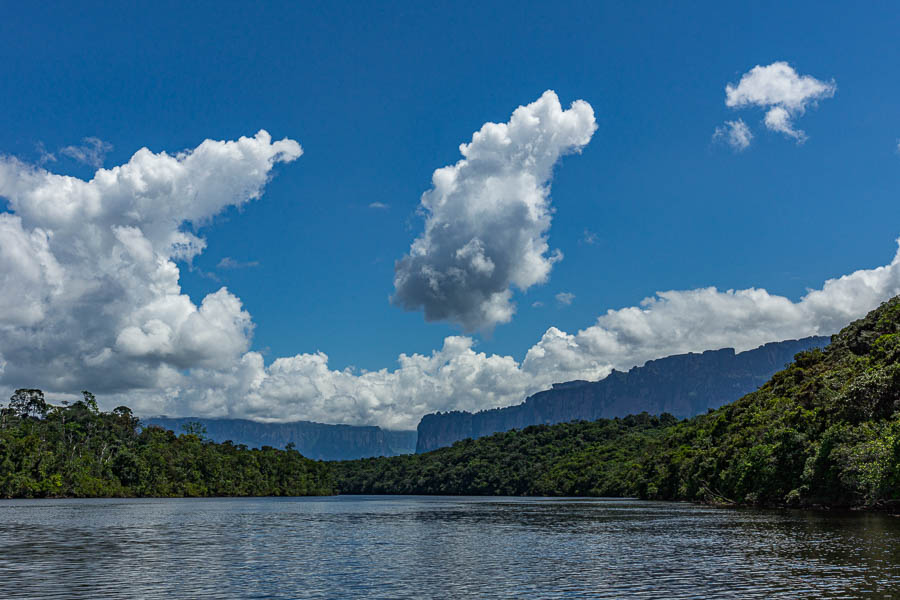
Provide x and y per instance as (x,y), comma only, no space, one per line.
(683,385)
(824,432)
(312,440)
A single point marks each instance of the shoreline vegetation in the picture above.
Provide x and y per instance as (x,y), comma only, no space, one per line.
(822,433)
(78,451)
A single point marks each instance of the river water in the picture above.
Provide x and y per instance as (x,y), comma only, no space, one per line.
(439,547)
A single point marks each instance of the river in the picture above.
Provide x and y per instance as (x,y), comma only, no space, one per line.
(439,547)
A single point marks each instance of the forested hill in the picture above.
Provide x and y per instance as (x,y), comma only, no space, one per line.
(313,440)
(683,385)
(825,431)
(80,451)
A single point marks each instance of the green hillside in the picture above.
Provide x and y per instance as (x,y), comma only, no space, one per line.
(824,431)
(80,451)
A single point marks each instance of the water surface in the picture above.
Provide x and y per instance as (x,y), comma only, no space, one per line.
(438,547)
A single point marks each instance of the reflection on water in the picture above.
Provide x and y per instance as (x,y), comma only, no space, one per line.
(419,547)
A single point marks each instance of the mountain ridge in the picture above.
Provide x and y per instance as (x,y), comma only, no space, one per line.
(824,432)
(683,385)
(319,441)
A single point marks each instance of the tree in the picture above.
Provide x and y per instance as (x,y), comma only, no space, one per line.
(28,403)
(194,428)
(90,401)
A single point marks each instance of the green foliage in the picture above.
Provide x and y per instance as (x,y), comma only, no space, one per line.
(824,431)
(79,451)
(194,428)
(570,459)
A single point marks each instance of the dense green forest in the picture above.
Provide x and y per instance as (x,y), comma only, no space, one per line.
(825,431)
(79,451)
(583,458)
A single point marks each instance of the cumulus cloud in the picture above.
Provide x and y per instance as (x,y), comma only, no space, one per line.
(89,299)
(679,321)
(782,91)
(735,133)
(487,217)
(91,152)
(457,376)
(379,205)
(90,294)
(565,298)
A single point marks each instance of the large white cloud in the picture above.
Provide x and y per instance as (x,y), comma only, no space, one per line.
(457,376)
(90,293)
(782,92)
(681,321)
(90,300)
(488,217)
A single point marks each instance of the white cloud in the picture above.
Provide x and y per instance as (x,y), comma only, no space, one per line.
(379,205)
(777,84)
(89,299)
(91,152)
(43,155)
(565,298)
(90,294)
(487,217)
(779,119)
(457,376)
(689,321)
(230,263)
(735,133)
(779,89)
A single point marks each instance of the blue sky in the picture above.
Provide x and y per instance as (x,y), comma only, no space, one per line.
(379,96)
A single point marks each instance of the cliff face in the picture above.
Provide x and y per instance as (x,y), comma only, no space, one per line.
(313,440)
(683,385)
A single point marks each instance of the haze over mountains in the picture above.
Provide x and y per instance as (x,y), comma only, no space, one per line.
(824,432)
(683,385)
(313,440)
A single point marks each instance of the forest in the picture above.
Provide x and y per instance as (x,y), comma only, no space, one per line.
(823,432)
(77,450)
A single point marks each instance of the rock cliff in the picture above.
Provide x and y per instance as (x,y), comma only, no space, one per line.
(313,440)
(683,385)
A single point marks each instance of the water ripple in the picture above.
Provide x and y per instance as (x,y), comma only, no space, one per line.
(420,547)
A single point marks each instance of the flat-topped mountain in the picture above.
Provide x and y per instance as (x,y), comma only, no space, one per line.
(822,432)
(683,385)
(312,440)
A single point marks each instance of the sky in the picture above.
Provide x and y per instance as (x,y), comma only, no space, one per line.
(355,213)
